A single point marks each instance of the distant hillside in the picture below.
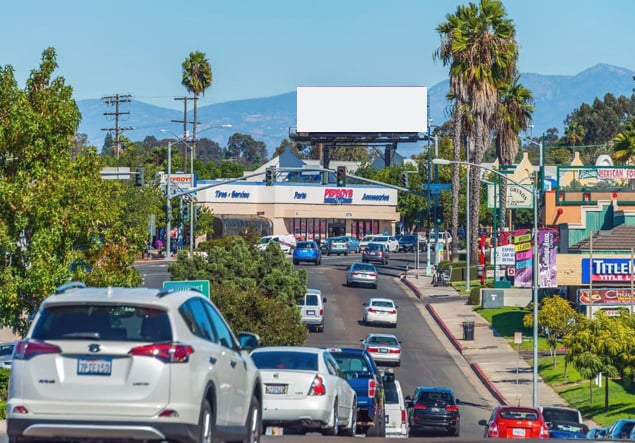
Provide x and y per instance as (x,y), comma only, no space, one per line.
(269,118)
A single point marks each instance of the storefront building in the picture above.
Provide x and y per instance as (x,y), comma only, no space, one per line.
(307,210)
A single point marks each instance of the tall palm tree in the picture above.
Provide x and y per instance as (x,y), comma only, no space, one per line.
(514,114)
(482,51)
(624,143)
(197,77)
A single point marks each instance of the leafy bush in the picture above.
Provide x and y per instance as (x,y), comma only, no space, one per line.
(475,296)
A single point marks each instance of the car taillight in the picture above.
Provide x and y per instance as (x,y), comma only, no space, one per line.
(27,349)
(166,352)
(373,349)
(372,274)
(452,408)
(395,351)
(372,384)
(404,417)
(372,310)
(544,432)
(492,430)
(420,406)
(321,311)
(393,311)
(355,273)
(317,387)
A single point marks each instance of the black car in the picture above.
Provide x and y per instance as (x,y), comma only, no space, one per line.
(376,252)
(433,408)
(408,243)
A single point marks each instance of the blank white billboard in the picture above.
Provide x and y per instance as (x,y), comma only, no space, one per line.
(329,109)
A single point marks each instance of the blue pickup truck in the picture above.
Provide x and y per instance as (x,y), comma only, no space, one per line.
(365,378)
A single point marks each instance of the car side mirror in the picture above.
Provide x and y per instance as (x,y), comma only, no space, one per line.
(248,341)
(324,300)
(482,422)
(458,401)
(408,404)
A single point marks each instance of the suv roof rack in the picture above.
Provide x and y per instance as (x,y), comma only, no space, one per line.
(67,286)
(167,291)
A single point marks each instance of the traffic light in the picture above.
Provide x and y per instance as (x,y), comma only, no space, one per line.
(139,177)
(404,180)
(270,176)
(341,176)
(186,214)
(198,213)
(438,215)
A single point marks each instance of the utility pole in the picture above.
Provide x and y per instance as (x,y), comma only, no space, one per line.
(116,100)
(185,122)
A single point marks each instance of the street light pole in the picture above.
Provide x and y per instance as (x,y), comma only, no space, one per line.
(168,222)
(535,279)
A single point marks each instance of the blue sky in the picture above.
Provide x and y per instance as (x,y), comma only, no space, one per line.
(260,48)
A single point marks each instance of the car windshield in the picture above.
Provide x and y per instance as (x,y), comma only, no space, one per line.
(265,240)
(301,361)
(434,398)
(363,267)
(381,340)
(375,247)
(103,322)
(518,414)
(312,300)
(305,245)
(381,239)
(368,238)
(351,363)
(382,304)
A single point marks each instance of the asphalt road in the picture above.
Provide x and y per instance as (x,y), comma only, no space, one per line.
(427,356)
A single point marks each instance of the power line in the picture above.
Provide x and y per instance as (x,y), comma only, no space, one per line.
(116,100)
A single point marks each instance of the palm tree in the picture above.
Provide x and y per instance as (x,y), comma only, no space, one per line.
(624,143)
(478,42)
(513,116)
(197,77)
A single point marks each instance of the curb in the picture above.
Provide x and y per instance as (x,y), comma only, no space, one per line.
(457,344)
(488,384)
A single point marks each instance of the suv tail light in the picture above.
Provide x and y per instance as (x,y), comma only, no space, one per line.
(317,387)
(166,352)
(452,408)
(321,311)
(403,416)
(372,384)
(420,406)
(27,349)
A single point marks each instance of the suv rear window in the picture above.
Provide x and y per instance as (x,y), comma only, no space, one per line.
(312,300)
(103,322)
(558,414)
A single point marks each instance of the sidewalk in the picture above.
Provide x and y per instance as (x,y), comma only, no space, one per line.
(503,372)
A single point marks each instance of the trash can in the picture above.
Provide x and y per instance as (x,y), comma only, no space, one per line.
(468,330)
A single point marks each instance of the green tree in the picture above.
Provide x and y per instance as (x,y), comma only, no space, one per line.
(482,51)
(624,143)
(255,290)
(513,116)
(59,220)
(196,77)
(243,149)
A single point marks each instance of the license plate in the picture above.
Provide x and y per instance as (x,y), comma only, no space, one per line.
(435,409)
(310,312)
(518,432)
(276,389)
(94,366)
(383,350)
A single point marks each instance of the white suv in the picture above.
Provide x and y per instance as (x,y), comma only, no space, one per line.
(133,364)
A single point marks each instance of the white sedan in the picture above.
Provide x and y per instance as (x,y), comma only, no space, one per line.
(384,348)
(380,310)
(391,242)
(305,390)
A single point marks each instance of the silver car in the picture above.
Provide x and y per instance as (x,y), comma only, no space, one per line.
(305,390)
(6,354)
(133,364)
(384,348)
(360,273)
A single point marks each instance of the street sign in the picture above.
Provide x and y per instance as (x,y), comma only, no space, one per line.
(436,188)
(201,285)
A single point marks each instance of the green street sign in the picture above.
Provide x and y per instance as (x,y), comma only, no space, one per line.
(201,285)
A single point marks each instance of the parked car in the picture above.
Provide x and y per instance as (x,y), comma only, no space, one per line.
(567,429)
(380,311)
(353,244)
(620,429)
(305,390)
(366,379)
(433,407)
(597,432)
(385,349)
(286,242)
(376,252)
(359,273)
(391,242)
(337,245)
(365,240)
(444,237)
(6,354)
(312,309)
(136,364)
(515,422)
(307,251)
(396,415)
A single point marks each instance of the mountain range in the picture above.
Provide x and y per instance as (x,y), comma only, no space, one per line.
(269,119)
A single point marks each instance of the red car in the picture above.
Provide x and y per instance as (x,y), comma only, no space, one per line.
(515,422)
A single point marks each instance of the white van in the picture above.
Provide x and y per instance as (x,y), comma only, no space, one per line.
(394,407)
(286,242)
